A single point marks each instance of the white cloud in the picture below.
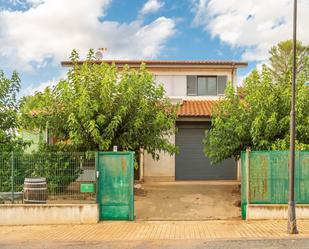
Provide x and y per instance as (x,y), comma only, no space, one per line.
(31,89)
(50,29)
(253,25)
(151,6)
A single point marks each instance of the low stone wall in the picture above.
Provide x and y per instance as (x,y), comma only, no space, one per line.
(275,211)
(29,214)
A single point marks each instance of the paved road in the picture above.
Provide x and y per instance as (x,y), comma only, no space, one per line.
(162,244)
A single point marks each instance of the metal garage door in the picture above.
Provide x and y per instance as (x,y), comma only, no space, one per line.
(191,162)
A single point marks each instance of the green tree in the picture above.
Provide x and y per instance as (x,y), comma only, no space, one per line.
(259,117)
(281,58)
(9,106)
(98,106)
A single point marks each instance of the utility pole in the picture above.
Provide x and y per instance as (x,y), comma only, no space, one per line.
(292,227)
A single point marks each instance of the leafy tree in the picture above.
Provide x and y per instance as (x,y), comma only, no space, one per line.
(9,141)
(42,111)
(281,58)
(9,88)
(258,116)
(98,106)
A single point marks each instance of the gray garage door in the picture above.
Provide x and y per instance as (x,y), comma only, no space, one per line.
(192,164)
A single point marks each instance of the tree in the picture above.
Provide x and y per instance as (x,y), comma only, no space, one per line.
(281,58)
(42,111)
(98,106)
(9,106)
(259,117)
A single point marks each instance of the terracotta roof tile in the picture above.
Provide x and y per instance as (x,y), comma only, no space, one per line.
(196,108)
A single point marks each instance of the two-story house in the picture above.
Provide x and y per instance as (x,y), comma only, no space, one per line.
(196,85)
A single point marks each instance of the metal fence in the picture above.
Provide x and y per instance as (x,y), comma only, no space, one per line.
(60,177)
(265,177)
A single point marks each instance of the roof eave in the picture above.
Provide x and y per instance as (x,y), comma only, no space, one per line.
(163,64)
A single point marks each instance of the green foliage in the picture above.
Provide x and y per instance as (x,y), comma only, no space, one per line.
(281,59)
(259,117)
(59,168)
(98,106)
(9,88)
(44,111)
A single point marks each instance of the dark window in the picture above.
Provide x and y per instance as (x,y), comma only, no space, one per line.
(191,85)
(206,85)
(222,80)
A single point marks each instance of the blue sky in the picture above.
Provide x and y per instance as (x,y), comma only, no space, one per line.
(35,35)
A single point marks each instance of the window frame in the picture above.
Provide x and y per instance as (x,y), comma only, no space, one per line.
(207,76)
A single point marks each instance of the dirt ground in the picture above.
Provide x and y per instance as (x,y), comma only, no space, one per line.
(189,200)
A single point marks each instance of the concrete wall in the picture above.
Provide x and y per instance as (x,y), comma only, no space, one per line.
(28,214)
(33,136)
(161,170)
(275,211)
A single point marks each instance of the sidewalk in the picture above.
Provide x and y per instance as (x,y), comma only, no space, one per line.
(161,230)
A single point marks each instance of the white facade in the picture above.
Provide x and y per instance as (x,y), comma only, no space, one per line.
(161,170)
(175,85)
(175,82)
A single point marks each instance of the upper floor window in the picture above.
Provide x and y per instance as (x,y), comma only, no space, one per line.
(206,85)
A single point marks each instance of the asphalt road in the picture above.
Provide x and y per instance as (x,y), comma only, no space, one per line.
(162,244)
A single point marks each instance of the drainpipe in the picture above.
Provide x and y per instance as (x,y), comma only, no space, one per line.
(233,73)
(238,163)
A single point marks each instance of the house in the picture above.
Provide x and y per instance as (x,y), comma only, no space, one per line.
(196,85)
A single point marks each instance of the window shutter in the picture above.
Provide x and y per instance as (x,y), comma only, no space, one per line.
(191,85)
(222,81)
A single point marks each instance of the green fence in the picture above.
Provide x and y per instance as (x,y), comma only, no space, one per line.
(60,177)
(265,178)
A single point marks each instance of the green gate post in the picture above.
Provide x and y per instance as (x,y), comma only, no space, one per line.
(97,176)
(12,177)
(245,183)
(248,174)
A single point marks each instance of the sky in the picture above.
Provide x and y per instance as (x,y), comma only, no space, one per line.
(36,35)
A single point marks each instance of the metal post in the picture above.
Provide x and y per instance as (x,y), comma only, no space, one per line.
(292,227)
(141,165)
(248,150)
(12,177)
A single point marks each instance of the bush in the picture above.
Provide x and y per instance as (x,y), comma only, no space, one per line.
(59,168)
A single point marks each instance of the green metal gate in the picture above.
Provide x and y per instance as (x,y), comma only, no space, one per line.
(115,194)
(264,178)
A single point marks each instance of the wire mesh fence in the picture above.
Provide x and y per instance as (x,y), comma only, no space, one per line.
(53,177)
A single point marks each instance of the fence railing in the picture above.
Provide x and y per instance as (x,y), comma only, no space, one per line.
(61,177)
(265,177)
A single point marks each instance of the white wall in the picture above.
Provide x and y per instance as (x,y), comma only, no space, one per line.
(175,83)
(38,214)
(275,211)
(161,170)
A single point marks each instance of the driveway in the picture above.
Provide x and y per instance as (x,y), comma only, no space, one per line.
(187,200)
